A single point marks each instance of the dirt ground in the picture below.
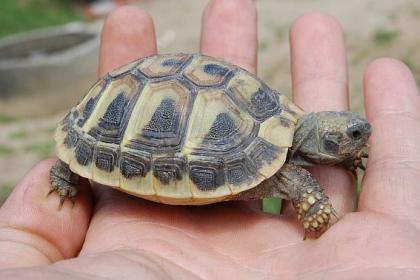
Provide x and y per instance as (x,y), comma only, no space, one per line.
(372,29)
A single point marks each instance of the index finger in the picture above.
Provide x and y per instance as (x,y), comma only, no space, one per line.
(229,34)
(319,75)
(128,34)
(391,183)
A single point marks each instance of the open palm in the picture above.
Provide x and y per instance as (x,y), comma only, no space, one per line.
(123,237)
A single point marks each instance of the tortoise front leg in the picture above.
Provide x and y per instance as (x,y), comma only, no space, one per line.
(312,205)
(63,181)
(295,183)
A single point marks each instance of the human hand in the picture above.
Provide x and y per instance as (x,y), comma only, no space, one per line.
(123,237)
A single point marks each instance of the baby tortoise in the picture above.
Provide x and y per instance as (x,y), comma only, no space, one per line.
(189,129)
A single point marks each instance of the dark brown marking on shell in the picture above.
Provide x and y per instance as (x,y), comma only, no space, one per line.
(89,107)
(84,151)
(261,152)
(169,168)
(112,125)
(135,164)
(239,169)
(106,158)
(109,124)
(164,120)
(114,113)
(224,74)
(226,146)
(69,119)
(71,139)
(262,105)
(207,173)
(222,128)
(173,65)
(172,62)
(172,140)
(215,69)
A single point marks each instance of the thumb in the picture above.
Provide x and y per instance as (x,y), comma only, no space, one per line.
(33,231)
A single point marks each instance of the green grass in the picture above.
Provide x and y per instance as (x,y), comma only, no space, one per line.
(262,45)
(410,62)
(384,36)
(5,118)
(23,15)
(6,150)
(19,134)
(5,190)
(272,205)
(44,149)
(281,33)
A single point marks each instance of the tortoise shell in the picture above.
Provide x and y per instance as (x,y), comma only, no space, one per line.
(178,129)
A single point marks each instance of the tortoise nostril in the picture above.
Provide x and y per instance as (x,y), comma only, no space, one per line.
(356,134)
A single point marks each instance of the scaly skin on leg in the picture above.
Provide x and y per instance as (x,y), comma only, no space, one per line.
(295,183)
(312,205)
(63,181)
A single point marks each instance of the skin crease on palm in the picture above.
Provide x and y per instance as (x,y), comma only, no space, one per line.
(115,236)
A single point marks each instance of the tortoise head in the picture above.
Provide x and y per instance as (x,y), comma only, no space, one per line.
(329,137)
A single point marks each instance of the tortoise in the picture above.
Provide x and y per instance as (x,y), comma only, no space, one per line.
(190,129)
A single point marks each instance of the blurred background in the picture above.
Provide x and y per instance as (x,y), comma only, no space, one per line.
(49,50)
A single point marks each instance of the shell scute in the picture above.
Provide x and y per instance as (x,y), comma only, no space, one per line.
(206,72)
(163,65)
(159,117)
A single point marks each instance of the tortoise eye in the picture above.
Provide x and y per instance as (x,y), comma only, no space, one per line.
(332,142)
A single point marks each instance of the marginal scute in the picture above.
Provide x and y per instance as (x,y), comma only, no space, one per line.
(71,139)
(207,173)
(262,152)
(168,169)
(106,158)
(135,163)
(84,151)
(240,170)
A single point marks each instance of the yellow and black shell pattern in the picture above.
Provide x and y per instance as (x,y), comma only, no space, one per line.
(178,129)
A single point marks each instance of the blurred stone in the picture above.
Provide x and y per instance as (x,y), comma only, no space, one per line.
(51,68)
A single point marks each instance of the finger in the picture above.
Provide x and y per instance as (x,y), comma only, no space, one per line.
(33,231)
(319,76)
(392,178)
(128,34)
(229,31)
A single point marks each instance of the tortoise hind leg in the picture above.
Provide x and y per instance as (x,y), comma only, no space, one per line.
(63,181)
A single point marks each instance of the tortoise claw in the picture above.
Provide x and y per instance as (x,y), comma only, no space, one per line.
(356,162)
(364,154)
(63,182)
